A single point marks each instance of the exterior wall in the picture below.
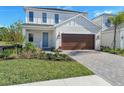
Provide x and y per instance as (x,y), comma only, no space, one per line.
(50,15)
(122,38)
(98,40)
(107,38)
(38,37)
(75,26)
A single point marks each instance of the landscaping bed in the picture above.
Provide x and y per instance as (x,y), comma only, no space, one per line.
(19,71)
(31,52)
(113,51)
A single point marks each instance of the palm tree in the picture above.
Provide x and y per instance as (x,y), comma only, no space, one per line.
(116,21)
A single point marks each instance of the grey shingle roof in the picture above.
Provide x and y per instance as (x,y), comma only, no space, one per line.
(58,9)
(31,24)
(102,15)
(110,28)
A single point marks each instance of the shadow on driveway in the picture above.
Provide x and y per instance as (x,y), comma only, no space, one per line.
(82,52)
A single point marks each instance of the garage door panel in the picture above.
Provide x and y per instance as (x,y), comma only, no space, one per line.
(79,36)
(77,44)
(76,38)
(77,41)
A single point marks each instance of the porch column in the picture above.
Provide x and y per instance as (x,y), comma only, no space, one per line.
(24,34)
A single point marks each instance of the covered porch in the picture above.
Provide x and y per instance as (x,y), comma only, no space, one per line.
(42,36)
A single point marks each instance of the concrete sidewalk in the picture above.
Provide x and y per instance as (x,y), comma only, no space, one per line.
(91,80)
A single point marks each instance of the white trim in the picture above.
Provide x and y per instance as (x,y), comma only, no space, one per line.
(91,21)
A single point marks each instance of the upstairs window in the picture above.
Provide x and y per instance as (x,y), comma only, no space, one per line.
(30,37)
(108,23)
(56,18)
(44,17)
(31,15)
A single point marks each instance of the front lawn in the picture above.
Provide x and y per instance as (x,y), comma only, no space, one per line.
(20,71)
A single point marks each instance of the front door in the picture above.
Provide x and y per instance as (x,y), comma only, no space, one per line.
(45,40)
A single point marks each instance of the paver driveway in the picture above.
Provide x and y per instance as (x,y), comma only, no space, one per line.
(110,67)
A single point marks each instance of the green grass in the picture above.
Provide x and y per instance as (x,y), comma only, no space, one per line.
(20,71)
(113,51)
(122,54)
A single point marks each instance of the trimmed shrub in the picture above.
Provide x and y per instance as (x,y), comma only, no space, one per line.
(29,47)
(112,51)
(37,53)
(56,57)
(52,49)
(26,54)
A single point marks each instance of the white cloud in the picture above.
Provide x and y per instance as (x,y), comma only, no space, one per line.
(65,7)
(68,7)
(1,25)
(97,13)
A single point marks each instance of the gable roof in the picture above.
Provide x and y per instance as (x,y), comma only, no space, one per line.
(97,26)
(57,9)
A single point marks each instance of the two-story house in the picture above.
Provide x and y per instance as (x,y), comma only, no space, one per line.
(66,29)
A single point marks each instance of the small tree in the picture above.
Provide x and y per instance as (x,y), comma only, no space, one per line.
(15,34)
(3,33)
(116,21)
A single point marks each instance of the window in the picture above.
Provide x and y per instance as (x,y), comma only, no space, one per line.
(97,37)
(56,18)
(44,17)
(31,15)
(30,37)
(108,23)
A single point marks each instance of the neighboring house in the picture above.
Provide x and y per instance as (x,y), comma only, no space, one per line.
(107,37)
(57,28)
(107,32)
(103,21)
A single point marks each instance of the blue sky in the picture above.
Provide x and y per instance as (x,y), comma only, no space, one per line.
(10,14)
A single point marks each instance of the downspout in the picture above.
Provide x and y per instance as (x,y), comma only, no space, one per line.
(115,28)
(101,33)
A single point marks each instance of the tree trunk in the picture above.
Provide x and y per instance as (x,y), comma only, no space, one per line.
(115,28)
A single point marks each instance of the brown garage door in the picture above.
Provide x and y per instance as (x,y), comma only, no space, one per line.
(77,41)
